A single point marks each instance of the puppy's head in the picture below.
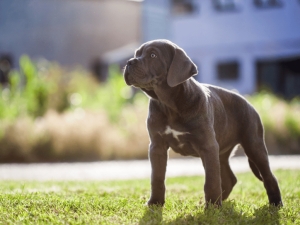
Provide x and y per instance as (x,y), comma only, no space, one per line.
(156,62)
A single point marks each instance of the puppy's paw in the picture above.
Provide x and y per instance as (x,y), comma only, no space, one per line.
(276,201)
(155,202)
(278,204)
(216,204)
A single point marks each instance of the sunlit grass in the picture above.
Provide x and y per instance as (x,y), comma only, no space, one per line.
(122,202)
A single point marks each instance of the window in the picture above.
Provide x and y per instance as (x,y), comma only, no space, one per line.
(228,70)
(183,7)
(225,5)
(267,3)
(281,76)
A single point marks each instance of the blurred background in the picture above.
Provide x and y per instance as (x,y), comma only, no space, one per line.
(63,97)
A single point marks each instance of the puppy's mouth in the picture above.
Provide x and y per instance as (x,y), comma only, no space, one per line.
(126,74)
(130,81)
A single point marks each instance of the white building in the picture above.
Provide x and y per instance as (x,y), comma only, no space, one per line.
(69,32)
(236,44)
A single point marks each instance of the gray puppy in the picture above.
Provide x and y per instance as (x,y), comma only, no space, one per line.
(197,120)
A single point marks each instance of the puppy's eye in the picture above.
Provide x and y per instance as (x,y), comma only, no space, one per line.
(153,55)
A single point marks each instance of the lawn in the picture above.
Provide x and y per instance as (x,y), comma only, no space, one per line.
(123,202)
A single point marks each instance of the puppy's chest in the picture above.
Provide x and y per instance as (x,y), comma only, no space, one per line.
(178,140)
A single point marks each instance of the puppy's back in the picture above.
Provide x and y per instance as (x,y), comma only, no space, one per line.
(233,112)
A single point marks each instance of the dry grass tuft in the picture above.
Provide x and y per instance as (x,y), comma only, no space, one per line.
(76,136)
(87,135)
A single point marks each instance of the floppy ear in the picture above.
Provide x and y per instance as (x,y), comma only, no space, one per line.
(181,68)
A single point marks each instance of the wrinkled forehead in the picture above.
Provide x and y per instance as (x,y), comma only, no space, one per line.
(161,47)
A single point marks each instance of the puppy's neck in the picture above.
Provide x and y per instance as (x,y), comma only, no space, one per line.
(176,98)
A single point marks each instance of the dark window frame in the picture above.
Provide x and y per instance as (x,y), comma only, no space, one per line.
(189,8)
(227,6)
(267,4)
(228,70)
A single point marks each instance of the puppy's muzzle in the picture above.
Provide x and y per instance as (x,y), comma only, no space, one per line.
(127,77)
(132,61)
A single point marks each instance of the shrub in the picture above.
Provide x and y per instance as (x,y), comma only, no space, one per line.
(55,114)
(281,119)
(30,92)
(42,86)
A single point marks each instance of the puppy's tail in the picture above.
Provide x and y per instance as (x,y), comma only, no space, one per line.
(255,170)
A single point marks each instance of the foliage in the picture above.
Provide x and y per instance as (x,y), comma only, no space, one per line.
(42,86)
(29,92)
(50,113)
(111,96)
(122,202)
(281,119)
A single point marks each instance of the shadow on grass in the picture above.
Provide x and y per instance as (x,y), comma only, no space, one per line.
(152,215)
(228,214)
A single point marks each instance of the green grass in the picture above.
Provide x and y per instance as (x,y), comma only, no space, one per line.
(123,202)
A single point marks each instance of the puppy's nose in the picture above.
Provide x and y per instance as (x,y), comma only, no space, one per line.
(131,61)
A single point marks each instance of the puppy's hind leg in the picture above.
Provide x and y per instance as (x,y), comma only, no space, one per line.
(227,176)
(257,153)
(254,169)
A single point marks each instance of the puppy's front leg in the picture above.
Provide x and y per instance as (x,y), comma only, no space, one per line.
(158,158)
(212,186)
